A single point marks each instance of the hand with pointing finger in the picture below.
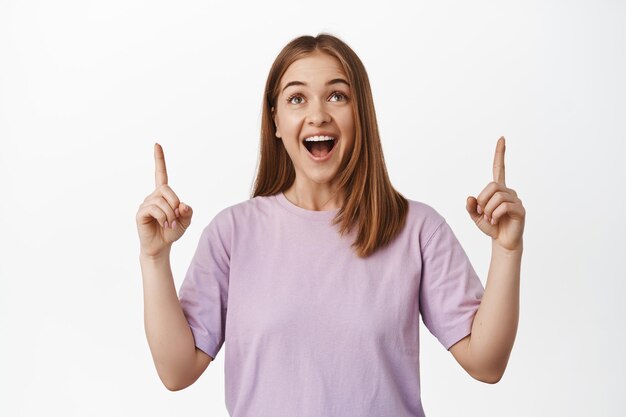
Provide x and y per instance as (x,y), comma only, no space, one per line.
(497,210)
(162,218)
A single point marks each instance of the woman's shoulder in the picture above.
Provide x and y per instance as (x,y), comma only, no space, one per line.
(252,209)
(423,219)
(423,212)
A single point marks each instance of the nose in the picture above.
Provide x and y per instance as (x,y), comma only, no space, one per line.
(317,113)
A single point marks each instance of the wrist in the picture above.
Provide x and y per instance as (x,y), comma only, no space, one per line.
(157,258)
(515,250)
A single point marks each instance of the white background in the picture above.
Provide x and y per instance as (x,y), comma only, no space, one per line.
(87,87)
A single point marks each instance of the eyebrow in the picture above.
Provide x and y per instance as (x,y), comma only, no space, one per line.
(331,82)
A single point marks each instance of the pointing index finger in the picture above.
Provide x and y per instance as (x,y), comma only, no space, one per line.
(498,162)
(160,175)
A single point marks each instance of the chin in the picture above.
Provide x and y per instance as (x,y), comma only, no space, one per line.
(325,178)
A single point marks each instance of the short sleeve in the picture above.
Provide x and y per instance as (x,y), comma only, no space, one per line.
(203,294)
(450,290)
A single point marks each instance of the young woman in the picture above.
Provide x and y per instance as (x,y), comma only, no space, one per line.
(317,282)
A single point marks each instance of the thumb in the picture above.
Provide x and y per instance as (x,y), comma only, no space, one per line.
(471,205)
(185,213)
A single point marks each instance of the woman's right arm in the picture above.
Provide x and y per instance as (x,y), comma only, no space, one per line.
(178,362)
(161,220)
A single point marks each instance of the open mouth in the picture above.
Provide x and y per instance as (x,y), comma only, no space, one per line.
(321,148)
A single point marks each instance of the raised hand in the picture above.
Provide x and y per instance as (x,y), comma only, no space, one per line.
(497,210)
(162,218)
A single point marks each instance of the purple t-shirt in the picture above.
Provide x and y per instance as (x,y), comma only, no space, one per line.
(312,330)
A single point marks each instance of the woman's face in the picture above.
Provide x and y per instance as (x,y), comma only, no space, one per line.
(315,100)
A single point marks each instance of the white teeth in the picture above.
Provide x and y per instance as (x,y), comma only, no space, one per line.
(318,138)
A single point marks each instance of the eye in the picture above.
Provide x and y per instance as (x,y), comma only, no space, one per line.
(294,96)
(297,96)
(339,94)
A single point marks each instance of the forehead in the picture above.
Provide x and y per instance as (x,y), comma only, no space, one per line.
(317,67)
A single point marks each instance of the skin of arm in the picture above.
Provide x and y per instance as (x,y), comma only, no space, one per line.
(484,353)
(499,213)
(177,360)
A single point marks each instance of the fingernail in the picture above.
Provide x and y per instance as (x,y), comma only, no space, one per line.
(493,221)
(486,218)
(480,210)
(165,224)
(174,224)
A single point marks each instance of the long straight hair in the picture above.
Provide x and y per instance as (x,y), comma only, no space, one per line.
(370,203)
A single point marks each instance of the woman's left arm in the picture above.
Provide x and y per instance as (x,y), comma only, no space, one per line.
(499,213)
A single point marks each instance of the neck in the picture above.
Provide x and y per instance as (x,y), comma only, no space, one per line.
(319,200)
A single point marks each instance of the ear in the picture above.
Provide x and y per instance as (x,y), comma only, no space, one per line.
(275,124)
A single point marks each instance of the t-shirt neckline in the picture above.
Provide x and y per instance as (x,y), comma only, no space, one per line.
(302,212)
